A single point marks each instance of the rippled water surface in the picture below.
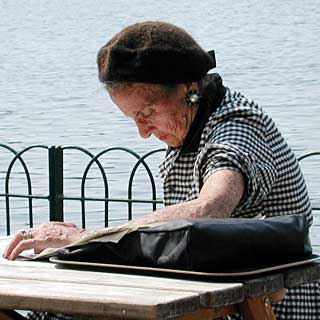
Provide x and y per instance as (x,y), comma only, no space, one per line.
(49,91)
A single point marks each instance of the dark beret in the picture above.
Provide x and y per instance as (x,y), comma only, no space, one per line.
(153,52)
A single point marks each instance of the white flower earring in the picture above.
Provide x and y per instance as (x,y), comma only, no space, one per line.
(192,98)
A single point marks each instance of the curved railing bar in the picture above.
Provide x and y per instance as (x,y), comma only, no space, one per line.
(106,218)
(67,147)
(8,148)
(7,197)
(307,155)
(18,156)
(136,155)
(105,182)
(153,186)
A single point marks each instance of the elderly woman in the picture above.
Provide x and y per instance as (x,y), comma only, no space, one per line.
(225,157)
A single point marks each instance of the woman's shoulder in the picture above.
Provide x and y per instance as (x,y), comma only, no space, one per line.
(237,107)
(236,101)
(237,114)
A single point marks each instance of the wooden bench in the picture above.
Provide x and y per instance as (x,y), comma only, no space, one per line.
(92,294)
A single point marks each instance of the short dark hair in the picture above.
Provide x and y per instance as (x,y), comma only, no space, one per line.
(111,85)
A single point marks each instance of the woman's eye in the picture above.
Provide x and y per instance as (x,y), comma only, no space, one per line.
(147,113)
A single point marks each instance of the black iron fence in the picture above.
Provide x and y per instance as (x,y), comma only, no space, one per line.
(56,195)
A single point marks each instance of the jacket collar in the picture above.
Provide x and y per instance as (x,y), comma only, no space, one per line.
(212,92)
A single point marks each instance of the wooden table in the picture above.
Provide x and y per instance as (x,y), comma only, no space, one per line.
(32,285)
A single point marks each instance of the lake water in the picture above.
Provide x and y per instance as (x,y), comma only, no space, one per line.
(50,94)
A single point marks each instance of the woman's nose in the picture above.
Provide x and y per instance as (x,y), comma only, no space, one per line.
(145,130)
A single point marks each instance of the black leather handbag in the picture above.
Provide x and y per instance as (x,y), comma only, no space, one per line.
(207,245)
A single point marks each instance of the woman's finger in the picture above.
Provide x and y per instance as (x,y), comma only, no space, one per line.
(54,234)
(37,244)
(14,242)
(21,246)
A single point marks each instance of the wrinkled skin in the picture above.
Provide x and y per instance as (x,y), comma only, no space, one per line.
(157,111)
(53,235)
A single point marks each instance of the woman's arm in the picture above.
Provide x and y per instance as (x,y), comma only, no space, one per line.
(219,196)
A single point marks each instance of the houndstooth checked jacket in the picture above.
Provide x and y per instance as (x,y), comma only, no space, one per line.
(237,135)
(232,132)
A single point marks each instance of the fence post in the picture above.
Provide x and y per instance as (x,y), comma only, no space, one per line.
(55,183)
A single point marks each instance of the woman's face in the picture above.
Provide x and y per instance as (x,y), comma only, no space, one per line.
(156,110)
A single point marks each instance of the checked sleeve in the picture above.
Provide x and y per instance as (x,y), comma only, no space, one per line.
(241,142)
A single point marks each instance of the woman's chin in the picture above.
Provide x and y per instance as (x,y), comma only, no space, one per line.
(172,144)
(171,141)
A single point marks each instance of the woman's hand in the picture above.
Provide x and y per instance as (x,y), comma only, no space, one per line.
(48,235)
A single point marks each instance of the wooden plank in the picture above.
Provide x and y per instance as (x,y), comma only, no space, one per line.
(126,303)
(263,285)
(301,275)
(30,264)
(207,293)
(211,294)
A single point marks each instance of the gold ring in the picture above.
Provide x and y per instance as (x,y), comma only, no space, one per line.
(26,235)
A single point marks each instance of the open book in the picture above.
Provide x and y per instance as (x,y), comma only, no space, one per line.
(109,234)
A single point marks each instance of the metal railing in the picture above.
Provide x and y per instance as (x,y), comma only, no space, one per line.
(56,195)
(308,156)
